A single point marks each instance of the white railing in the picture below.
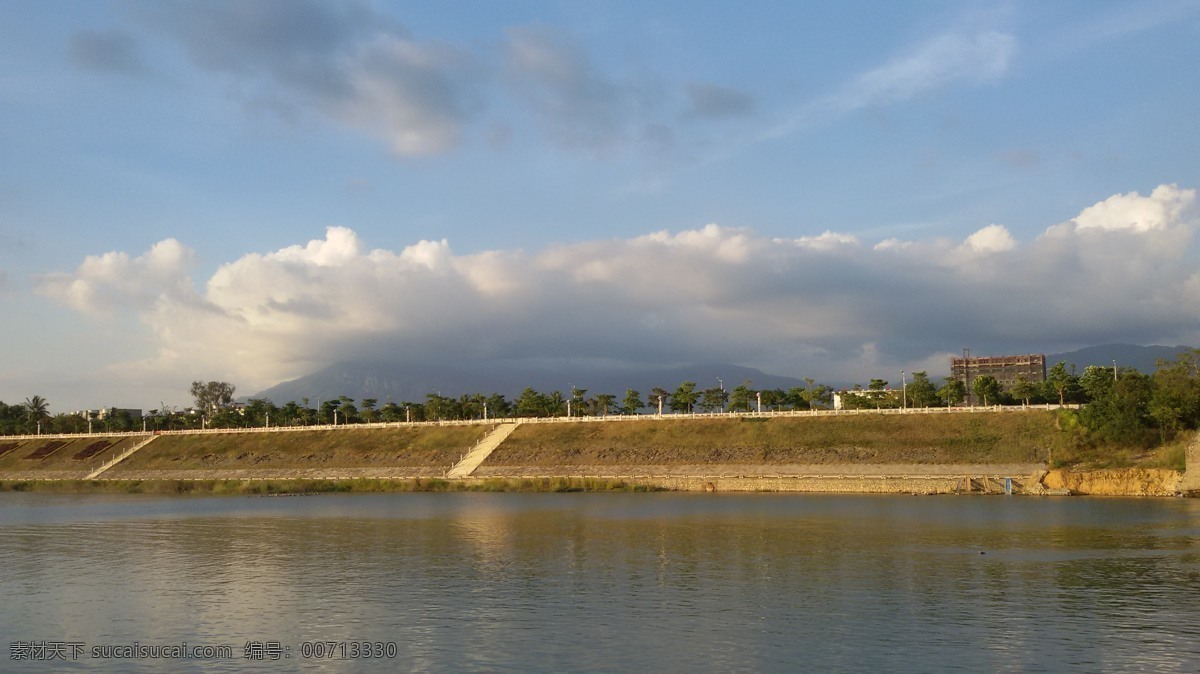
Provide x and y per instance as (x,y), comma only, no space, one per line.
(557,420)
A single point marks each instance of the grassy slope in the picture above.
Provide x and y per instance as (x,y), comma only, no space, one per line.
(62,459)
(931,439)
(1001,438)
(393,447)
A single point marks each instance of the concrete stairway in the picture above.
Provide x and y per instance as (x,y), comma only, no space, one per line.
(476,456)
(121,457)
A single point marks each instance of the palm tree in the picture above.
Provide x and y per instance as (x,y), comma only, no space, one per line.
(37,410)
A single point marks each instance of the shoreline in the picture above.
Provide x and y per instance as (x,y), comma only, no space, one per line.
(845,479)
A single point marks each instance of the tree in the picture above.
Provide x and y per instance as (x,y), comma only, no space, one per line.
(921,391)
(1060,380)
(1024,389)
(632,402)
(772,398)
(986,387)
(291,414)
(369,413)
(1175,403)
(212,396)
(796,398)
(1121,416)
(327,409)
(739,401)
(37,411)
(659,396)
(1097,382)
(954,391)
(347,412)
(604,401)
(577,395)
(391,412)
(714,399)
(685,397)
(437,407)
(530,403)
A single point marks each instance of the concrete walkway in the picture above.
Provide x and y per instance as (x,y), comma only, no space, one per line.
(121,457)
(481,451)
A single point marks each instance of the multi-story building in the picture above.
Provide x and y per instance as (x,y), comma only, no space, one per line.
(1004,369)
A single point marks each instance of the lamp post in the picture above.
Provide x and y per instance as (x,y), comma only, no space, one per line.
(903,392)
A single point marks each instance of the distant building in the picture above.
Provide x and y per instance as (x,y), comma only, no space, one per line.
(106,412)
(878,396)
(1004,369)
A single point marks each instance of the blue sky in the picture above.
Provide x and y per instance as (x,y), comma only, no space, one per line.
(250,190)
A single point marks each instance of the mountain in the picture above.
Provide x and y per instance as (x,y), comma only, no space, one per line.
(1143,358)
(397,383)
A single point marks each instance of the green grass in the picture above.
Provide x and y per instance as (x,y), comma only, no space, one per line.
(867,438)
(435,446)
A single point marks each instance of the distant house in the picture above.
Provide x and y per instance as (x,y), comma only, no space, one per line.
(892,396)
(106,412)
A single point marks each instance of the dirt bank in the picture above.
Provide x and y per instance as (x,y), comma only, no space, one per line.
(1116,481)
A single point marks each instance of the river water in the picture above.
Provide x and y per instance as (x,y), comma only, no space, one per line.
(598,582)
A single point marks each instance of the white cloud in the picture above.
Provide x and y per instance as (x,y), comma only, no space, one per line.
(103,282)
(991,239)
(1166,206)
(694,295)
(944,60)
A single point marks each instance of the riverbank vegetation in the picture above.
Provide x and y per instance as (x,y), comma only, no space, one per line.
(1123,415)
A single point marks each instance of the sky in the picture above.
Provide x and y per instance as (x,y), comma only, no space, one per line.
(250,190)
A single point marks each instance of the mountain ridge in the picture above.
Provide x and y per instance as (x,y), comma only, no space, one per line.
(399,383)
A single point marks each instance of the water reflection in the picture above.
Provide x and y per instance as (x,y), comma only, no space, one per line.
(618,581)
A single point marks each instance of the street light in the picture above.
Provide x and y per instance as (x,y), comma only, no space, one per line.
(903,392)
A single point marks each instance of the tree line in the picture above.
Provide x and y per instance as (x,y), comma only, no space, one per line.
(1119,406)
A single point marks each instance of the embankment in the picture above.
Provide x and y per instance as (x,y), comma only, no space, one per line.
(916,453)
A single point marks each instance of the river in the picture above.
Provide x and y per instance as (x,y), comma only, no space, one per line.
(598,582)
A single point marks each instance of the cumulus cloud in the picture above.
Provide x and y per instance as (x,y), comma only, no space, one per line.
(112,280)
(345,60)
(811,305)
(1167,206)
(991,239)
